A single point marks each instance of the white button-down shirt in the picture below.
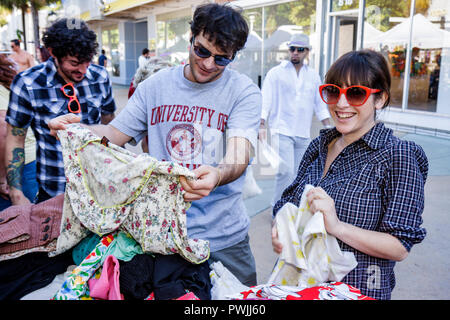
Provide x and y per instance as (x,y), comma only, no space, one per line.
(289,100)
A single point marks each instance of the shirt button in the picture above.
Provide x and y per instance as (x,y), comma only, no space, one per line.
(46,228)
(47,220)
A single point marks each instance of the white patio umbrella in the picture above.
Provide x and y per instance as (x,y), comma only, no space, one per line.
(371,36)
(425,35)
(281,37)
(254,41)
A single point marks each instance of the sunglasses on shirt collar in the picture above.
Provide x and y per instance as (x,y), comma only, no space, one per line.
(69,91)
(204,53)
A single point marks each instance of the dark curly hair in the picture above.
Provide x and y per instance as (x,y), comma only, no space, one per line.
(71,37)
(222,25)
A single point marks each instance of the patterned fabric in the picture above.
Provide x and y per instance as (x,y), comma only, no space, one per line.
(310,256)
(109,187)
(36,98)
(377,183)
(325,291)
(49,247)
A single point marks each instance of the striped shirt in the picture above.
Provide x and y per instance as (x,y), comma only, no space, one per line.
(377,183)
(36,98)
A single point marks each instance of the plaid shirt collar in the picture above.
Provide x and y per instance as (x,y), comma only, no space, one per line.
(52,71)
(375,139)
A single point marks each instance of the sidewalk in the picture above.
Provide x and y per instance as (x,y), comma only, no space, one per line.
(423,275)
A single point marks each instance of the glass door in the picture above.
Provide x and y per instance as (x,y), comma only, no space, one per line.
(345,35)
(342,34)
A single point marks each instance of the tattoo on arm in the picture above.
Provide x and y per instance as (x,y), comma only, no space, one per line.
(15,168)
(18,131)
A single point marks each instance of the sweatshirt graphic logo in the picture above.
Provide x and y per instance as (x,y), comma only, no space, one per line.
(184,142)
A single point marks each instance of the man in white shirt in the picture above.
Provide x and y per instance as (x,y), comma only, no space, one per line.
(143,58)
(290,95)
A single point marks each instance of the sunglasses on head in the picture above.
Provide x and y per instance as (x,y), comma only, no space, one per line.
(69,91)
(299,49)
(204,53)
(356,95)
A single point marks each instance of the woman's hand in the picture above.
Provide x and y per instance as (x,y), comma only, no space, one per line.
(319,200)
(276,244)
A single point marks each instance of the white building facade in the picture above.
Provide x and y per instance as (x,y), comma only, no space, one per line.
(414,36)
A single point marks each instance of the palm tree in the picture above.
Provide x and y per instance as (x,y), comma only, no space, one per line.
(24,5)
(35,6)
(4,13)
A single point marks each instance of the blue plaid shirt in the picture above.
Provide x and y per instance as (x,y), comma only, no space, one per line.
(36,98)
(377,183)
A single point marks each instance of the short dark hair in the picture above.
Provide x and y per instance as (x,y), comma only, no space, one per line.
(145,51)
(222,25)
(363,67)
(71,37)
(16,42)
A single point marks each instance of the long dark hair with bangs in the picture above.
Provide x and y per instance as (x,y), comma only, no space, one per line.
(363,67)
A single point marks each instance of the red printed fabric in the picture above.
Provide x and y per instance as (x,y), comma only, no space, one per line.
(332,291)
(325,291)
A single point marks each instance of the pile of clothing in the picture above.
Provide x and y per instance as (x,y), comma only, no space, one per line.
(113,198)
(119,233)
(27,234)
(112,267)
(116,268)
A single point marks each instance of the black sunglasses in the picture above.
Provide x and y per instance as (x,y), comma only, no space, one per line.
(204,53)
(299,49)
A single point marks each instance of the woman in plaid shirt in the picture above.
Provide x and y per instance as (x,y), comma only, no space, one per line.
(369,183)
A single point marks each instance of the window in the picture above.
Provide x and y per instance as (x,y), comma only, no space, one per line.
(271,27)
(383,19)
(173,39)
(389,24)
(110,41)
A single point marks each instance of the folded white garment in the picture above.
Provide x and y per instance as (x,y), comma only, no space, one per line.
(310,256)
(223,282)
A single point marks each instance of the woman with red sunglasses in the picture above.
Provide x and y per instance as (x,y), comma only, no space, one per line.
(369,184)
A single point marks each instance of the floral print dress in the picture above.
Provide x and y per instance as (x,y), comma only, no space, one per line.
(108,187)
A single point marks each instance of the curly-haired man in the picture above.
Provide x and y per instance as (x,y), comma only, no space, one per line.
(65,83)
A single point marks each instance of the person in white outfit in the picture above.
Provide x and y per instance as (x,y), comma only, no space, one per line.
(290,97)
(143,58)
